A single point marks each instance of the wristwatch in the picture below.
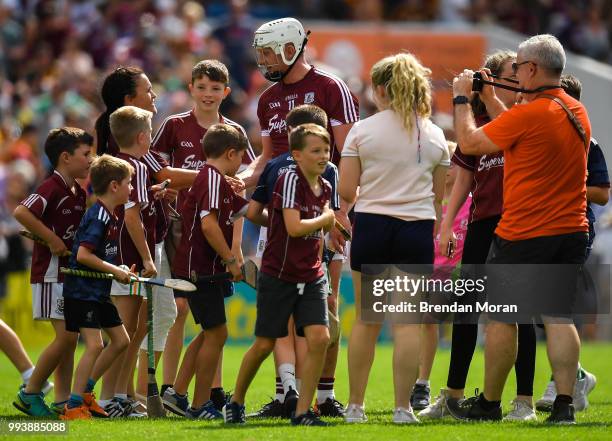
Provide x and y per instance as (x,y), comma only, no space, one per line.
(229,261)
(461,99)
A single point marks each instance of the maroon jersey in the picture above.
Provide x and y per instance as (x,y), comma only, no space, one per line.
(488,183)
(294,259)
(142,197)
(61,210)
(179,140)
(209,192)
(318,87)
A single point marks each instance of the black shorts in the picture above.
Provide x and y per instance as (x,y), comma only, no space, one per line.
(379,239)
(539,275)
(277,300)
(207,302)
(90,314)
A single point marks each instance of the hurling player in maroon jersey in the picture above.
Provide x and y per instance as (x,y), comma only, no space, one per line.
(53,213)
(279,47)
(292,281)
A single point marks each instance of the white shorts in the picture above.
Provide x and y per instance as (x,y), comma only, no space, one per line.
(261,242)
(47,301)
(164,306)
(133,289)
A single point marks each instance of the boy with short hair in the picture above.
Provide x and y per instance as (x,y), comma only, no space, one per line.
(179,140)
(209,211)
(87,303)
(131,129)
(53,213)
(291,280)
(289,356)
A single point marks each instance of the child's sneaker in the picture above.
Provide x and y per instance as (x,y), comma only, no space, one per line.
(307,419)
(76,413)
(207,411)
(174,402)
(233,413)
(58,408)
(33,405)
(355,414)
(114,409)
(401,415)
(89,399)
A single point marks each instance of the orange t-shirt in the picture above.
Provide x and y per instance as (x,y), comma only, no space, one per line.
(545,168)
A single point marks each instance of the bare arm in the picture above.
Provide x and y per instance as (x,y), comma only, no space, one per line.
(237,238)
(340,133)
(350,172)
(90,260)
(214,236)
(180,177)
(596,195)
(297,227)
(439,179)
(257,213)
(135,229)
(36,226)
(251,175)
(459,193)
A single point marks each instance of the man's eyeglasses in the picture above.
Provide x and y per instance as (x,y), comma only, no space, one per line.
(515,66)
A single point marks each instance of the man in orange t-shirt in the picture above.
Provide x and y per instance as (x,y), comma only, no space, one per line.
(543,220)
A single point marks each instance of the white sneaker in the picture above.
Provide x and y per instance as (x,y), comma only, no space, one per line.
(582,388)
(355,414)
(401,415)
(522,411)
(437,409)
(545,403)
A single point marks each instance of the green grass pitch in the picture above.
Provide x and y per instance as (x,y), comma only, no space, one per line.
(593,424)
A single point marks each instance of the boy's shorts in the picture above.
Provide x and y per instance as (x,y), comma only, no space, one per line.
(207,302)
(47,301)
(90,314)
(277,300)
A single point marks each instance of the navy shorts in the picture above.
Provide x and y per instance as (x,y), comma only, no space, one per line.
(379,239)
(90,314)
(207,302)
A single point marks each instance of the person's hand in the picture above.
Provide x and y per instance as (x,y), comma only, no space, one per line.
(462,84)
(446,236)
(123,274)
(236,183)
(330,217)
(237,252)
(170,194)
(159,190)
(148,268)
(487,94)
(58,247)
(337,239)
(236,271)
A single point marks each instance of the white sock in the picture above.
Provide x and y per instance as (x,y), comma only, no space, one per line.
(286,371)
(103,403)
(121,396)
(323,395)
(423,382)
(298,384)
(25,375)
(280,397)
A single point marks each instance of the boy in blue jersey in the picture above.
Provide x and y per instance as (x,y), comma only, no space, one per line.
(87,304)
(287,382)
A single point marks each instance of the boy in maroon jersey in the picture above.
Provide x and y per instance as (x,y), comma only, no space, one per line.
(291,279)
(209,212)
(53,213)
(131,128)
(179,141)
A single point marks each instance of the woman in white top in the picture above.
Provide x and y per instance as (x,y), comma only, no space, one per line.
(398,158)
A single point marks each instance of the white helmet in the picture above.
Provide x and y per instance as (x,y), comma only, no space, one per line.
(277,33)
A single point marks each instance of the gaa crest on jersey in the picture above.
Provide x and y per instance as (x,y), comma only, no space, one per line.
(309,98)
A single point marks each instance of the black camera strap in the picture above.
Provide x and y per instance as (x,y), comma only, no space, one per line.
(518,89)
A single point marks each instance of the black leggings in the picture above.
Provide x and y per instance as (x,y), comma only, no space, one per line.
(475,250)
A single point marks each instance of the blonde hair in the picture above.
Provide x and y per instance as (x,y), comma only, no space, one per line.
(127,122)
(407,84)
(297,137)
(105,169)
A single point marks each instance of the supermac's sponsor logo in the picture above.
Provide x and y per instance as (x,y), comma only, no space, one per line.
(191,163)
(110,250)
(274,105)
(70,233)
(188,144)
(278,124)
(487,163)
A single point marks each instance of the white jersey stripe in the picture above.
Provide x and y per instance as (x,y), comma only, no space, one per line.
(151,162)
(350,112)
(249,151)
(161,129)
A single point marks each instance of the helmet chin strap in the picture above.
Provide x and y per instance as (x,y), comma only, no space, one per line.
(278,76)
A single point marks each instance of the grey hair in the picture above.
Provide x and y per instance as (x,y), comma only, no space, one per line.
(544,50)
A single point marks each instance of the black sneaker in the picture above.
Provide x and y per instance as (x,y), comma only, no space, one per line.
(561,413)
(233,413)
(219,397)
(330,408)
(274,409)
(471,410)
(291,400)
(420,397)
(307,419)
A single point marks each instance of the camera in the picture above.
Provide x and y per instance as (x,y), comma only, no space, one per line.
(477,83)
